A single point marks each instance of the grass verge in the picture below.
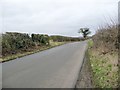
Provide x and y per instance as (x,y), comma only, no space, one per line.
(104,68)
(18,55)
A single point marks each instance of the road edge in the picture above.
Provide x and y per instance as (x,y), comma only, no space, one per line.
(83,60)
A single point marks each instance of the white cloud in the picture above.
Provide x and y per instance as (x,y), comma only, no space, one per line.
(56,16)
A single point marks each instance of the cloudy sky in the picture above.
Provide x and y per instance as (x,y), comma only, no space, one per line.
(61,17)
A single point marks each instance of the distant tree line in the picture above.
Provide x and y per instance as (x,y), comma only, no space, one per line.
(57,38)
(13,42)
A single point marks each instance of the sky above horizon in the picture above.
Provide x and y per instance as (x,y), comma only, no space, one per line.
(61,17)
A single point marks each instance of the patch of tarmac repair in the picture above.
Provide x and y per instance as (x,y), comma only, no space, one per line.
(85,75)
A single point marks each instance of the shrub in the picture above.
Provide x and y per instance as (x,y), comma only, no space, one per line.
(106,39)
(13,43)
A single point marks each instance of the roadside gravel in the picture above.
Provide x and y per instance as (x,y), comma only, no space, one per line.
(85,75)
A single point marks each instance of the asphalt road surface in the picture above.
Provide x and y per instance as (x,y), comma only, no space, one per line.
(54,68)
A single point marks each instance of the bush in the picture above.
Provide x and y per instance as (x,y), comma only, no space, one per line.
(13,43)
(106,39)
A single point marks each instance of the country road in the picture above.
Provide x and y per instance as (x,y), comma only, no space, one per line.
(54,68)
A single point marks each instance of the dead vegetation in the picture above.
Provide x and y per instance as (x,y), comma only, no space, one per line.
(106,39)
(104,57)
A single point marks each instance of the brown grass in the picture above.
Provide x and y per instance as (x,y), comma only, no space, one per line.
(106,39)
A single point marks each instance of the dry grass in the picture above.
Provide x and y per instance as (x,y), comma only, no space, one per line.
(105,69)
(104,57)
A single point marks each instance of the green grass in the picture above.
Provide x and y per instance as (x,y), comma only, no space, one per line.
(18,55)
(104,68)
(90,43)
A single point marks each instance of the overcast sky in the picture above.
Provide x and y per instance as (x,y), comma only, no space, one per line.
(62,17)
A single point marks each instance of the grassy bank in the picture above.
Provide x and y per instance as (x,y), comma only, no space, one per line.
(38,49)
(104,67)
(15,44)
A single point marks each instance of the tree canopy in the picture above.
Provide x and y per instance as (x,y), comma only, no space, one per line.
(85,32)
